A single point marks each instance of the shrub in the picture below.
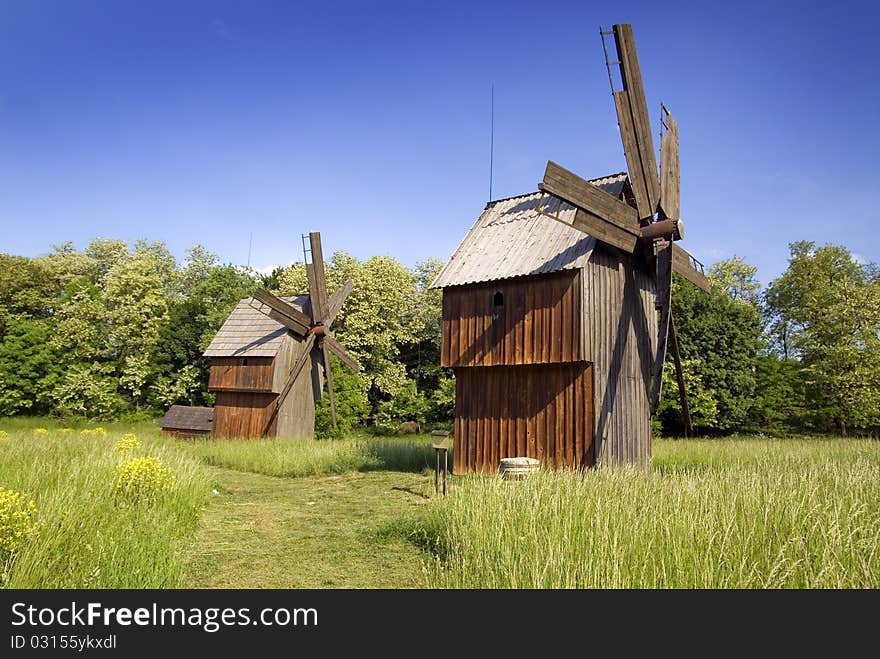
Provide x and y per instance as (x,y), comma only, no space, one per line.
(128,442)
(18,521)
(143,477)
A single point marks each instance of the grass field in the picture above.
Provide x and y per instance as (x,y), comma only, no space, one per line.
(361,513)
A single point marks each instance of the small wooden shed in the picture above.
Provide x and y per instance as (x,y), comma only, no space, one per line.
(186,421)
(550,333)
(251,357)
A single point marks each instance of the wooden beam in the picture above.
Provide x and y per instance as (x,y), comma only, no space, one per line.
(295,319)
(291,379)
(318,294)
(337,299)
(579,192)
(670,177)
(336,348)
(636,107)
(664,304)
(604,231)
(679,375)
(631,151)
(681,263)
(328,375)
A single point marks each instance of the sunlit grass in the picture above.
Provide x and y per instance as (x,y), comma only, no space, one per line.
(91,536)
(712,514)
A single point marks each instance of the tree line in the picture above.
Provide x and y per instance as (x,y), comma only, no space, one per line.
(118,330)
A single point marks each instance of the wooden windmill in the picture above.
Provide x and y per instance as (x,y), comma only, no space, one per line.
(649,225)
(266,358)
(557,305)
(314,327)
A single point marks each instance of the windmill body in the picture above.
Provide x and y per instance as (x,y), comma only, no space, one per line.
(270,359)
(250,359)
(557,305)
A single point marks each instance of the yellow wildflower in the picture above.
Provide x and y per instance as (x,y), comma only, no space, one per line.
(128,442)
(41,431)
(64,431)
(18,521)
(143,476)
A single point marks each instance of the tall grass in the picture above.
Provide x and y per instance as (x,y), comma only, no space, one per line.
(297,458)
(91,536)
(722,514)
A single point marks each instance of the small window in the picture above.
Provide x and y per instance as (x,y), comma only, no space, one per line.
(498,299)
(244,362)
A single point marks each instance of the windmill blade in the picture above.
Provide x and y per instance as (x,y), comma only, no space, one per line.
(682,263)
(670,177)
(328,375)
(291,379)
(635,128)
(664,302)
(336,348)
(599,214)
(337,299)
(281,312)
(679,375)
(317,280)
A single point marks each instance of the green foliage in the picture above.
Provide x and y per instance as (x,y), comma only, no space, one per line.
(825,311)
(87,390)
(702,405)
(720,336)
(28,367)
(737,279)
(406,405)
(350,396)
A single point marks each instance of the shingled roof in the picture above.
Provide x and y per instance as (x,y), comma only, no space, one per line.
(183,417)
(248,332)
(511,239)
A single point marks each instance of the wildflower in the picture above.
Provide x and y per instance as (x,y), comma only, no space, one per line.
(95,432)
(64,431)
(3,434)
(41,431)
(18,521)
(143,476)
(128,442)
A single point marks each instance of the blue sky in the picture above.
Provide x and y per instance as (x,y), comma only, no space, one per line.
(206,122)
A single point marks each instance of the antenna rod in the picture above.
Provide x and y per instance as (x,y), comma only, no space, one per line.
(250,244)
(491,138)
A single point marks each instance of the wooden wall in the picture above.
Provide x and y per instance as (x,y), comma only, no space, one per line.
(539,322)
(296,418)
(619,338)
(243,414)
(241,374)
(544,412)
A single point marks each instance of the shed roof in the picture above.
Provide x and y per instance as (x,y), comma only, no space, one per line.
(183,417)
(248,332)
(511,239)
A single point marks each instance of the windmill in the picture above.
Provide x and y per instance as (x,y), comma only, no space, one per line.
(309,324)
(649,226)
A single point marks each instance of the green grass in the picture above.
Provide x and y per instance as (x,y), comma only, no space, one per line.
(91,536)
(313,532)
(360,513)
(297,458)
(712,514)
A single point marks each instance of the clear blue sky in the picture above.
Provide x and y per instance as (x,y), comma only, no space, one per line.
(201,122)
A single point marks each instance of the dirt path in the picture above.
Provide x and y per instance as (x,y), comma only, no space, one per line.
(266,532)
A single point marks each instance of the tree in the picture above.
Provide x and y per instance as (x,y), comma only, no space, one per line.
(702,405)
(721,337)
(737,279)
(28,368)
(828,305)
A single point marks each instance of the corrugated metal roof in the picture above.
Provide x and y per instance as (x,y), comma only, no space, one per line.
(511,239)
(248,332)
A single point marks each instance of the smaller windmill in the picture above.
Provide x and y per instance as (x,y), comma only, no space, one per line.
(267,357)
(312,327)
